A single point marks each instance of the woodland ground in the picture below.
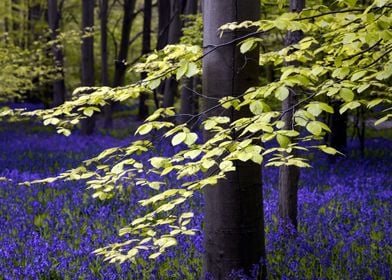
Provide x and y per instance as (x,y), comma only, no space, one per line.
(49,231)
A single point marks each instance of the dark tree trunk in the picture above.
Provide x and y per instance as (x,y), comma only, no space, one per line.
(54,18)
(120,65)
(88,56)
(187,100)
(162,38)
(187,90)
(289,175)
(234,220)
(171,84)
(146,48)
(338,125)
(103,4)
(163,23)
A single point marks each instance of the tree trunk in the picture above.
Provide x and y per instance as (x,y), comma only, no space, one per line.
(187,90)
(88,56)
(187,100)
(103,4)
(289,175)
(234,222)
(54,18)
(338,124)
(171,84)
(163,23)
(120,65)
(146,48)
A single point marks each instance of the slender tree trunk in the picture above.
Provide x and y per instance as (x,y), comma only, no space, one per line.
(289,175)
(234,222)
(187,91)
(54,18)
(120,65)
(163,23)
(121,62)
(146,48)
(162,38)
(103,4)
(171,84)
(338,124)
(88,56)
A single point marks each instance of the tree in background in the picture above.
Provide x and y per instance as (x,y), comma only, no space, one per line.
(103,15)
(54,17)
(120,65)
(87,77)
(289,174)
(146,48)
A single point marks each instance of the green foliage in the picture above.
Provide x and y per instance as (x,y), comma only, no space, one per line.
(22,69)
(345,56)
(193,27)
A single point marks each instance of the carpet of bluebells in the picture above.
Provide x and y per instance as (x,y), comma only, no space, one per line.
(50,231)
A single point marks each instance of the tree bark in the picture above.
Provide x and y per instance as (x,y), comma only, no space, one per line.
(338,124)
(289,175)
(187,91)
(88,56)
(163,23)
(171,84)
(54,18)
(103,4)
(234,222)
(120,65)
(146,48)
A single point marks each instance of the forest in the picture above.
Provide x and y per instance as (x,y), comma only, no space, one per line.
(186,139)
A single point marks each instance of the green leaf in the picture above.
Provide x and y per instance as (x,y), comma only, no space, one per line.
(192,154)
(89,111)
(182,69)
(347,94)
(314,128)
(226,166)
(207,163)
(283,141)
(178,138)
(386,73)
(256,107)
(192,70)
(144,129)
(190,138)
(246,46)
(325,107)
(281,93)
(154,83)
(374,102)
(314,109)
(155,255)
(383,119)
(328,150)
(363,87)
(288,133)
(357,75)
(157,162)
(349,106)
(243,156)
(341,73)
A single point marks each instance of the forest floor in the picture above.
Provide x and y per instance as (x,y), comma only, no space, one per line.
(50,231)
